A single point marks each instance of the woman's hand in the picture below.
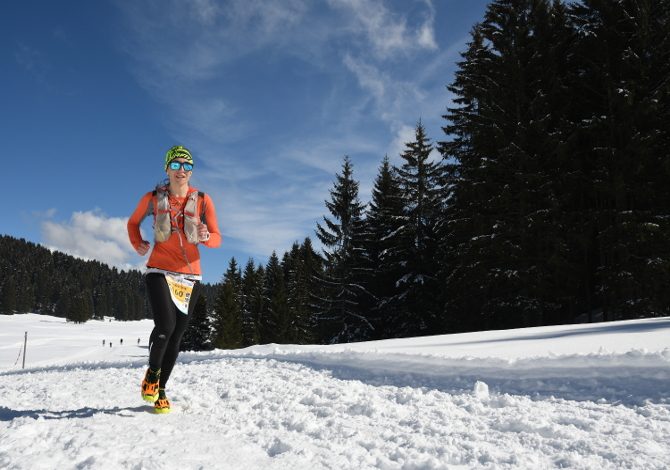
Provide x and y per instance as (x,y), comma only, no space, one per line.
(143,248)
(203,232)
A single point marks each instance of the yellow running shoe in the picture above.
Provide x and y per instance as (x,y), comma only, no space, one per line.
(150,385)
(162,405)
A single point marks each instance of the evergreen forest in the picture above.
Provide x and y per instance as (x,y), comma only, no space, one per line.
(36,279)
(545,200)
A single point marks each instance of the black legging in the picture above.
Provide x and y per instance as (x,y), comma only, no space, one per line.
(170,324)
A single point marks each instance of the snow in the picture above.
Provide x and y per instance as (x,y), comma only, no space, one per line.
(593,396)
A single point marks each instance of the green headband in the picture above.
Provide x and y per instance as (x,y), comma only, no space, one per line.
(178,151)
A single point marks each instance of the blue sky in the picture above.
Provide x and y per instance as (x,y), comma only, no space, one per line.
(268,95)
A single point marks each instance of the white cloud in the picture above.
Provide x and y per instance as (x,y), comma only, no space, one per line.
(395,100)
(265,18)
(426,36)
(387,32)
(403,134)
(324,154)
(259,234)
(426,33)
(259,220)
(368,76)
(91,235)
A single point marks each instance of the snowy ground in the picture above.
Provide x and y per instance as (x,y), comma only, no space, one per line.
(591,396)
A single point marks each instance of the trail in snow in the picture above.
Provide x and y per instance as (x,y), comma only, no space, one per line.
(276,407)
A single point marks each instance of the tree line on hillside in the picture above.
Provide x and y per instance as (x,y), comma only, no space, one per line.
(551,199)
(35,279)
(38,280)
(548,200)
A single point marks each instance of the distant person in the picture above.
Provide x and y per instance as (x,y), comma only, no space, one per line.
(110,344)
(138,341)
(121,341)
(183,218)
(103,342)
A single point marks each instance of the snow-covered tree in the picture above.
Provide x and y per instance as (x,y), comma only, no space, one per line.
(419,178)
(340,314)
(384,265)
(274,323)
(228,310)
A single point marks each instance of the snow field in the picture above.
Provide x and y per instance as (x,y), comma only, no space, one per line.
(263,413)
(376,406)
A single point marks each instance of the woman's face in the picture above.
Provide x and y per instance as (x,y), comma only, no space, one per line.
(179,176)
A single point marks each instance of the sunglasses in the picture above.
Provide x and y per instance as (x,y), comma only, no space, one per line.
(174,166)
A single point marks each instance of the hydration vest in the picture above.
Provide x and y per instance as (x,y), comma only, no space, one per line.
(163,223)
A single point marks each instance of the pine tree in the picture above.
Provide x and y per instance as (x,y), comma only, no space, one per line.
(258,304)
(43,289)
(197,336)
(26,301)
(312,264)
(250,311)
(8,293)
(275,315)
(506,254)
(384,222)
(419,179)
(228,314)
(299,270)
(623,88)
(101,301)
(81,309)
(341,318)
(63,305)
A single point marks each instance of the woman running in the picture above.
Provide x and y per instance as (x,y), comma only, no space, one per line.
(183,219)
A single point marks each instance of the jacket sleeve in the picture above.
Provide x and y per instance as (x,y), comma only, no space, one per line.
(136,219)
(212,224)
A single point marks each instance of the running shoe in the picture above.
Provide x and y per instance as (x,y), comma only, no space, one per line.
(150,385)
(162,405)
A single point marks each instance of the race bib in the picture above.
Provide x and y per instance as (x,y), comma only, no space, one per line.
(181,289)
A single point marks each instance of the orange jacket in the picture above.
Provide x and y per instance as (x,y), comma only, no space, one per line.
(176,254)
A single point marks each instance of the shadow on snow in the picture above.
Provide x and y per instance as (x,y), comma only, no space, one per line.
(7,414)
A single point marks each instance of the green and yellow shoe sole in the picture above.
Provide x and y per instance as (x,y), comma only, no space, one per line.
(151,398)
